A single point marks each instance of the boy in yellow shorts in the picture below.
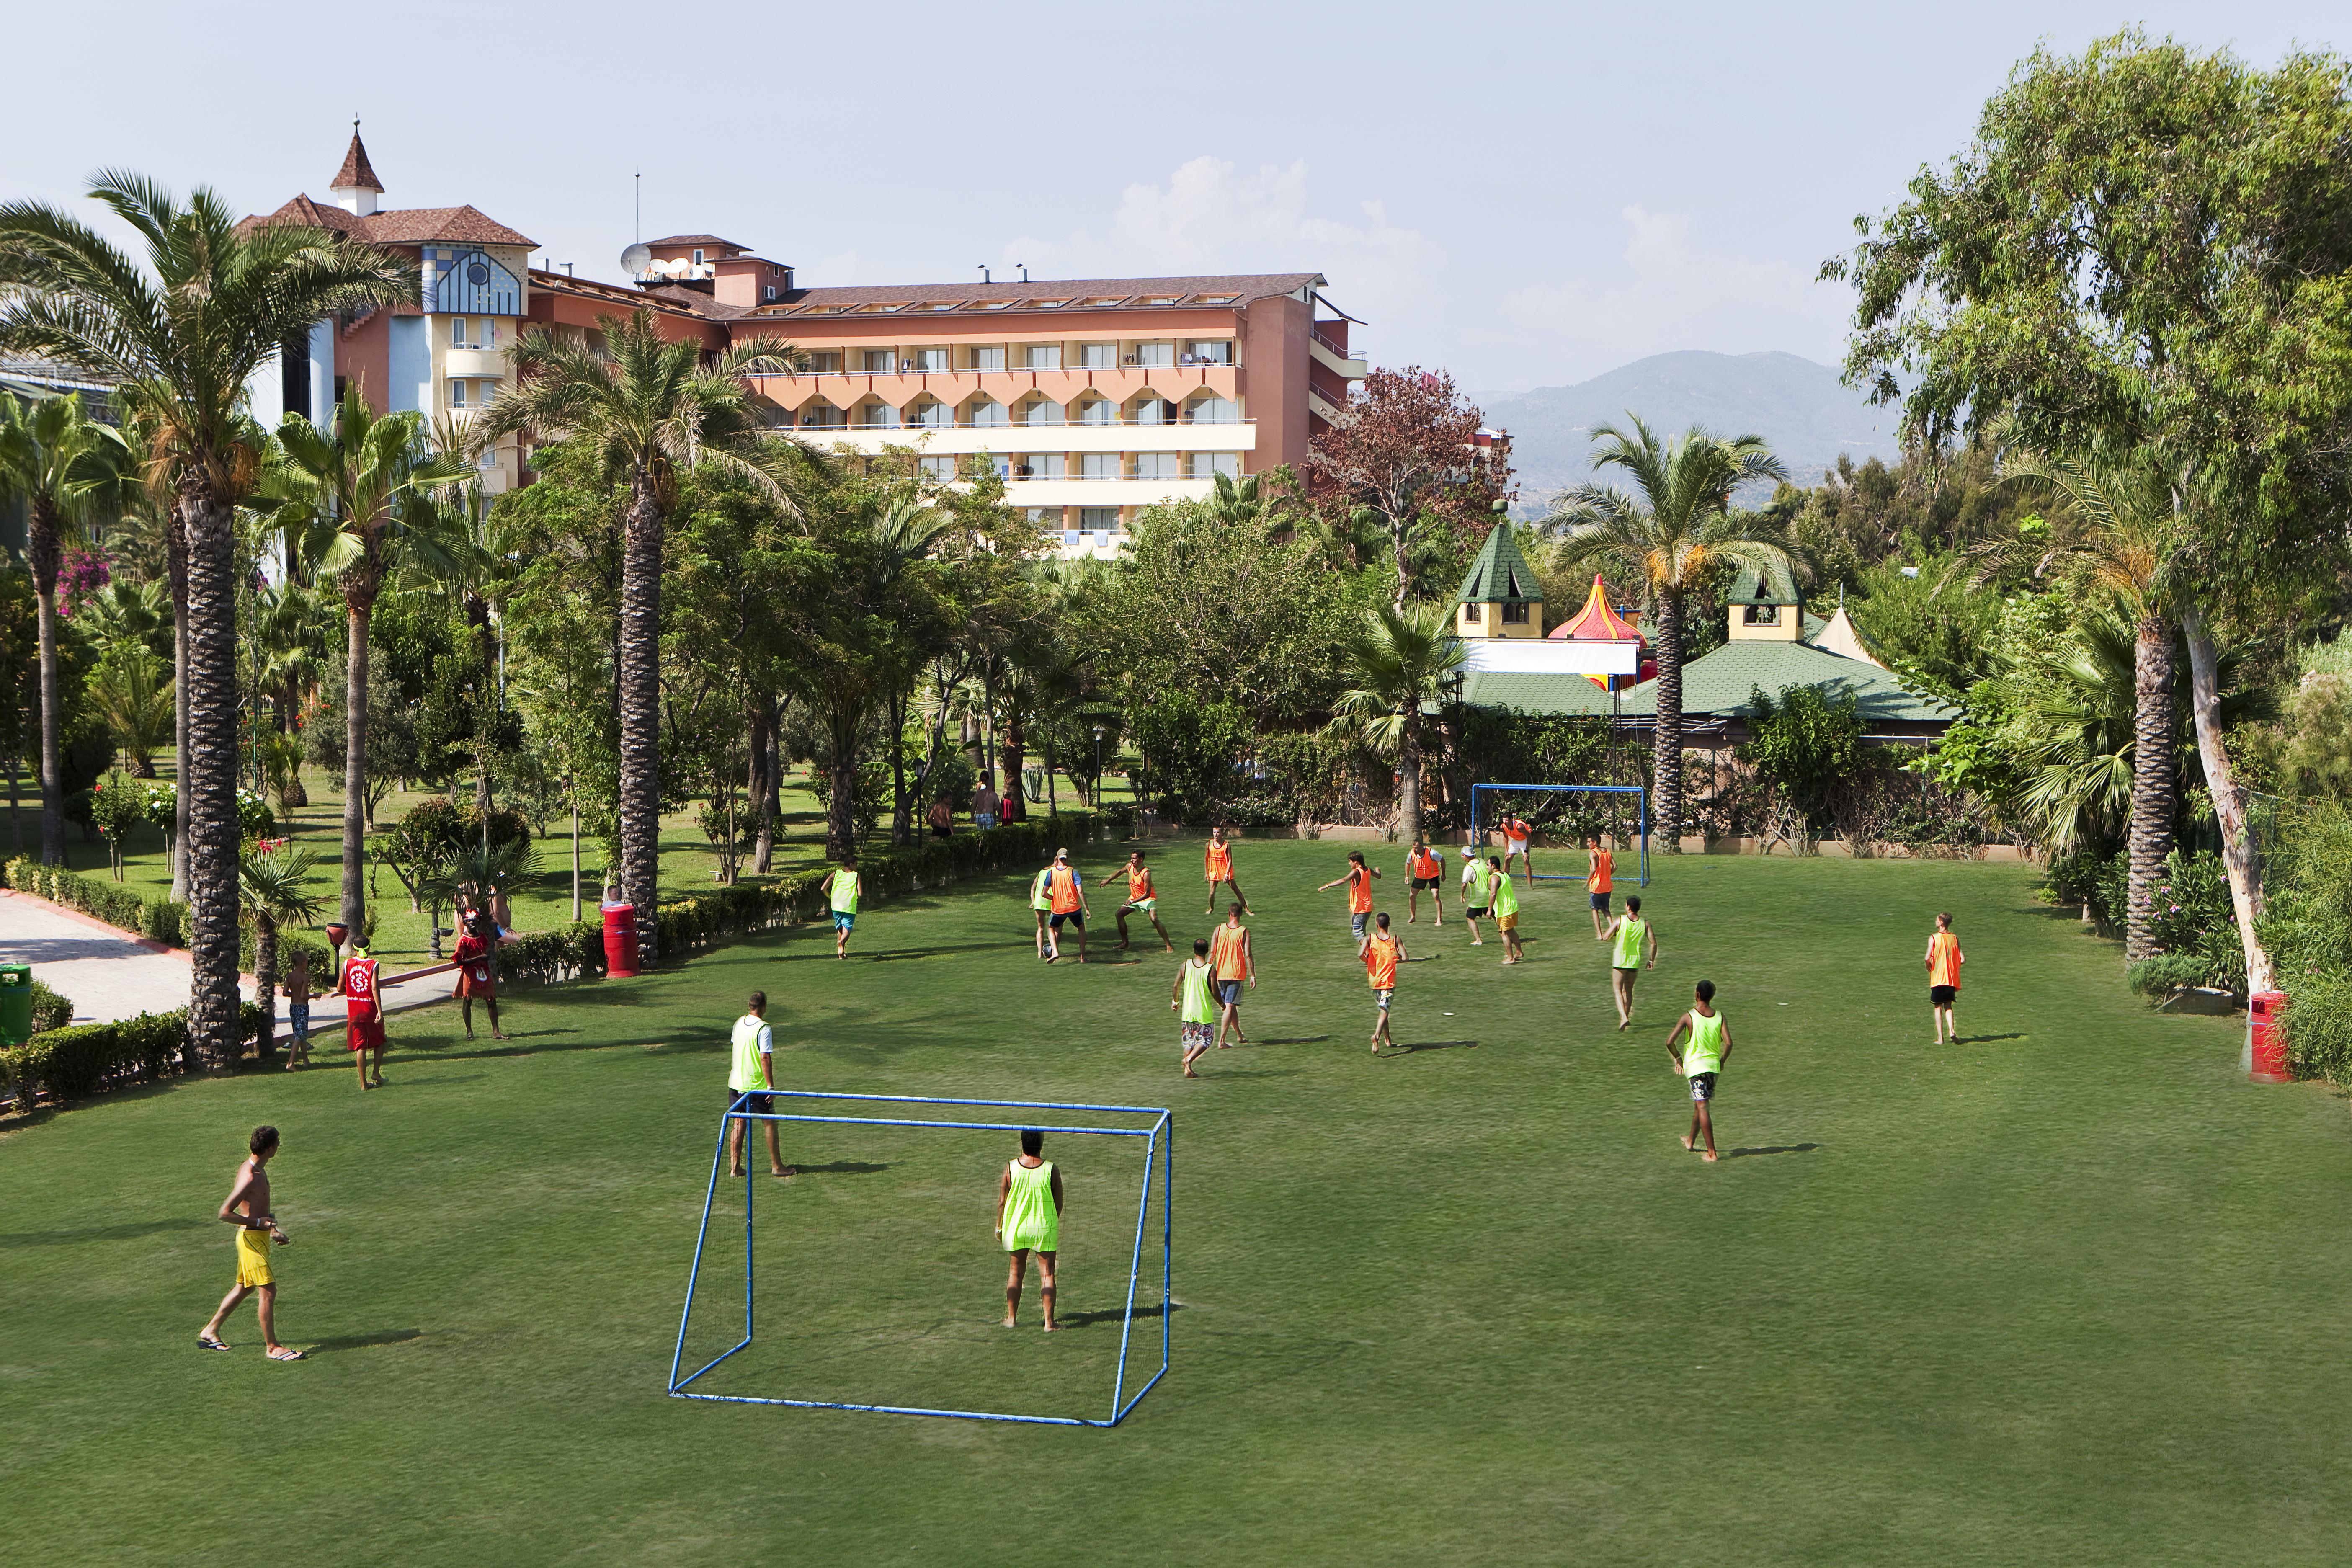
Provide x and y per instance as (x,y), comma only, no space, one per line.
(248,1208)
(1506,908)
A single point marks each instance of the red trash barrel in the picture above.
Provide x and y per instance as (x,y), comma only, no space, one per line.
(620,939)
(2266,1024)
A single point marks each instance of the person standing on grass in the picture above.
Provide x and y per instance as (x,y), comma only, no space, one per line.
(298,1009)
(1507,909)
(257,1230)
(1066,890)
(1194,1003)
(1029,1219)
(1599,866)
(985,801)
(1701,1060)
(1359,879)
(1041,904)
(840,887)
(1428,874)
(942,818)
(750,1078)
(1517,834)
(1220,869)
(1944,961)
(363,1015)
(1229,947)
(1478,891)
(1628,959)
(478,974)
(1382,952)
(1142,898)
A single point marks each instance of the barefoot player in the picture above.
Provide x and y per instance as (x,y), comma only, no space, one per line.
(1506,908)
(478,974)
(1628,958)
(1600,868)
(1029,1219)
(1229,950)
(1220,869)
(1141,898)
(1382,952)
(1517,833)
(1428,874)
(1194,1003)
(1065,890)
(257,1230)
(1700,1060)
(1944,961)
(841,889)
(1478,891)
(751,1073)
(1041,904)
(1359,879)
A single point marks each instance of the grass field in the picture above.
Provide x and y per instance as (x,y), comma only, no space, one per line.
(2069,1292)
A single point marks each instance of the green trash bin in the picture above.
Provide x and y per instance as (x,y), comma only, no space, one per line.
(15,1004)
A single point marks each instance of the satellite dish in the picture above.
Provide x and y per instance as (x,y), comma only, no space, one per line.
(637,260)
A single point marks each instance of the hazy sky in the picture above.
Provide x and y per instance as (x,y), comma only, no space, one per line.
(1525,195)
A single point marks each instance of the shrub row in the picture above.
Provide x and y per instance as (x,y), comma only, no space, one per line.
(70,1063)
(158,920)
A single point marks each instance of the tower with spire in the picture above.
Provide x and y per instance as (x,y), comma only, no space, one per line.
(355,187)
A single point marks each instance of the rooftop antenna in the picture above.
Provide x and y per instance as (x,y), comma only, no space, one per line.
(1024,270)
(638,232)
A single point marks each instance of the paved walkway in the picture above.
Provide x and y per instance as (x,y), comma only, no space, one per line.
(110,975)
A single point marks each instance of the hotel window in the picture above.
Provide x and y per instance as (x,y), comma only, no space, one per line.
(1213,411)
(1045,466)
(456,332)
(1045,411)
(1051,516)
(1207,464)
(457,395)
(932,415)
(931,359)
(1099,518)
(698,258)
(1762,615)
(879,416)
(1098,412)
(772,293)
(1098,465)
(883,360)
(1155,353)
(988,411)
(1041,356)
(1155,411)
(939,469)
(1155,465)
(1472,615)
(1097,356)
(1211,350)
(988,358)
(825,364)
(1514,615)
(823,417)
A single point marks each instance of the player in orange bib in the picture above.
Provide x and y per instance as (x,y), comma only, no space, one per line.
(363,1015)
(1221,871)
(1382,952)
(1428,874)
(1598,880)
(1360,893)
(1944,961)
(1065,892)
(1141,898)
(1517,833)
(1229,951)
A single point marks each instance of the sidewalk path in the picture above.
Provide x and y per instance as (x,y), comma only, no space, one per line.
(112,974)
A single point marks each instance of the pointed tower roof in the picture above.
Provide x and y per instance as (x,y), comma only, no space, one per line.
(1841,636)
(356,174)
(1500,574)
(1596,622)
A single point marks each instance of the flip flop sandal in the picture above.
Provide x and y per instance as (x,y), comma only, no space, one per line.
(285,1352)
(207,1342)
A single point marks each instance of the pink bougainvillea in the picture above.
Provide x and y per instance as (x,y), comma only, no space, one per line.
(82,573)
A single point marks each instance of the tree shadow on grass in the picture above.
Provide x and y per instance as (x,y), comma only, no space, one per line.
(1293,1040)
(1772,1149)
(894,955)
(1989,1040)
(364,1341)
(439,1083)
(129,1230)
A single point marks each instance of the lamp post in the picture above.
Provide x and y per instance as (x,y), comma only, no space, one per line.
(1098,735)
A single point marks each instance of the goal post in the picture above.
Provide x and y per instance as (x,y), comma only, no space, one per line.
(1611,811)
(1158,1136)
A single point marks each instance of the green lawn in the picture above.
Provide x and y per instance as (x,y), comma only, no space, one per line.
(2068,1293)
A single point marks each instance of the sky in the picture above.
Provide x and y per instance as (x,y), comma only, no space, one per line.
(1526,195)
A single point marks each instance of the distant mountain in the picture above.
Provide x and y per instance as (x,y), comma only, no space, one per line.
(1800,407)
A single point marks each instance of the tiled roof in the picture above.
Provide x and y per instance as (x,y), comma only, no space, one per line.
(1778,589)
(406,225)
(1499,574)
(1548,695)
(1720,684)
(355,173)
(1067,293)
(624,296)
(705,240)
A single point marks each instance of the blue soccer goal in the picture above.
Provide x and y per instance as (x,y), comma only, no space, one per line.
(1612,811)
(1158,1137)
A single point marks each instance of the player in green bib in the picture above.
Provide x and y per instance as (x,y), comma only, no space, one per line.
(1700,1060)
(842,889)
(751,1072)
(1478,892)
(1041,904)
(1630,933)
(1195,1003)
(1507,909)
(1029,1219)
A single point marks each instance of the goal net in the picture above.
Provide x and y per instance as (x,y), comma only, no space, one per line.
(1566,814)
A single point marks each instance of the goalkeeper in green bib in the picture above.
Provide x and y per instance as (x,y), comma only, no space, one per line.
(1632,936)
(1700,1061)
(840,887)
(1029,1219)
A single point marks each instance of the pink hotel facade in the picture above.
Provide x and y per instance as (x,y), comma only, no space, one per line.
(1093,397)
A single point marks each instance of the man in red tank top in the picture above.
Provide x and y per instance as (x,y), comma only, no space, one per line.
(363,1015)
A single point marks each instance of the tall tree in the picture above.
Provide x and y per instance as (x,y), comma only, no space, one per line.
(274,890)
(1669,537)
(181,338)
(58,461)
(1407,450)
(2146,246)
(359,499)
(648,409)
(1399,662)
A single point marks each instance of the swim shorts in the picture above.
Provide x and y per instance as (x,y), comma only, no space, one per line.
(1702,1088)
(253,1257)
(1943,995)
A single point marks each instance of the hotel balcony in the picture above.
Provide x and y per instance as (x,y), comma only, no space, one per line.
(1118,382)
(1337,359)
(474,362)
(1134,490)
(961,440)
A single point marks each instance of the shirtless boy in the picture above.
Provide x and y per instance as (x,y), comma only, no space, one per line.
(248,1208)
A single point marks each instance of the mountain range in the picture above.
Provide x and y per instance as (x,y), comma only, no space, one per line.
(1801,408)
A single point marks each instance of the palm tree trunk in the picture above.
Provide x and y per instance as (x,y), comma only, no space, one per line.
(41,554)
(902,827)
(175,556)
(1666,757)
(1016,753)
(361,606)
(2238,857)
(265,982)
(764,782)
(1399,526)
(1409,774)
(640,692)
(2155,779)
(209,776)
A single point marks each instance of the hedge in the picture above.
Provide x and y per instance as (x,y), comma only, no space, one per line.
(158,920)
(71,1063)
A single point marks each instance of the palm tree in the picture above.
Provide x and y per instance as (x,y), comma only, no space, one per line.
(2126,510)
(647,409)
(1677,532)
(1400,660)
(359,498)
(2074,732)
(180,339)
(59,460)
(273,889)
(131,690)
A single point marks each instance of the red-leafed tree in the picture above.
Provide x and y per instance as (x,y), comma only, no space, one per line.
(1405,450)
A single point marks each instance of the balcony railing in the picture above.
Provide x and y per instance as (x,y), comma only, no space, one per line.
(909,367)
(1023,426)
(1340,349)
